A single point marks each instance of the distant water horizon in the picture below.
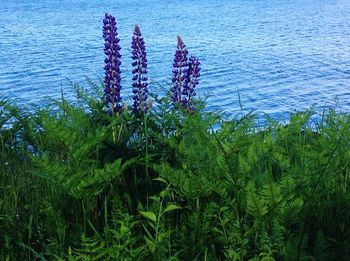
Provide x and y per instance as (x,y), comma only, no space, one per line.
(279,55)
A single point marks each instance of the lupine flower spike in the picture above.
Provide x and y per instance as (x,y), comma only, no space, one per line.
(140,85)
(112,64)
(179,71)
(192,81)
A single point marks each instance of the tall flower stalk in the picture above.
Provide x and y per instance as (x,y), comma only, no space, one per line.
(112,64)
(140,85)
(192,80)
(179,71)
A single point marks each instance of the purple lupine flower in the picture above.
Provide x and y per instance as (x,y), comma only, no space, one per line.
(112,64)
(192,80)
(179,71)
(139,64)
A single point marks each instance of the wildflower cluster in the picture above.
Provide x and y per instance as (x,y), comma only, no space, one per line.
(179,70)
(112,64)
(139,64)
(186,72)
(192,80)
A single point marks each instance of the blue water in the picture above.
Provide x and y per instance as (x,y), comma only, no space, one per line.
(280,54)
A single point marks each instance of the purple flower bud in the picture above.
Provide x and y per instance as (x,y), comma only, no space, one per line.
(179,70)
(140,85)
(112,64)
(192,79)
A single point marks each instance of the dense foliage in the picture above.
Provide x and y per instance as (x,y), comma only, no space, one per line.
(78,184)
(91,179)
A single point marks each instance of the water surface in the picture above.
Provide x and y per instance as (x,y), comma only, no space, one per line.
(281,55)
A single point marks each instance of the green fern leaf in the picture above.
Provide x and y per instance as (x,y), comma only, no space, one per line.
(256,206)
(271,193)
(289,213)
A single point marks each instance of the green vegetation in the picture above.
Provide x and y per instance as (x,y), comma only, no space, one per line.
(78,184)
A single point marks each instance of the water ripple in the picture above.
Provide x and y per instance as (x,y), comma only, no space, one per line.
(279,55)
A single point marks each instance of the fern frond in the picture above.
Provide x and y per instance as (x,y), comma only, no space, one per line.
(271,193)
(256,206)
(290,212)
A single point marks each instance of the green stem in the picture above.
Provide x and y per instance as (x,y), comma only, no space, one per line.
(146,152)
